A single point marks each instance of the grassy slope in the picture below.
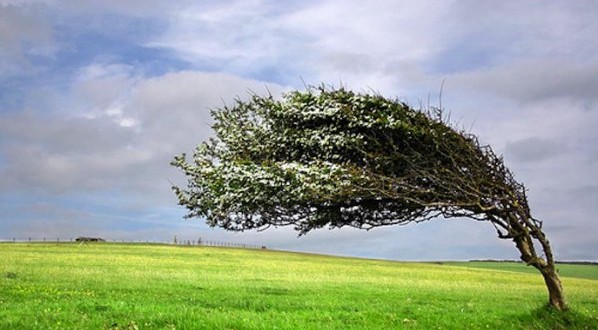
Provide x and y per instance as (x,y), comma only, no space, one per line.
(66,286)
(565,270)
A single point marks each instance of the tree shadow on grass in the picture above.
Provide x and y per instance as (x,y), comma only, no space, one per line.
(548,318)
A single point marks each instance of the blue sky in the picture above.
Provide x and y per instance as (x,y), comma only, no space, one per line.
(96,97)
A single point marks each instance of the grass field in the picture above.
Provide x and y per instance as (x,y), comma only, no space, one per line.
(567,270)
(119,286)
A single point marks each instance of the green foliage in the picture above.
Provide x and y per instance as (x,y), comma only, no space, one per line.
(117,286)
(334,157)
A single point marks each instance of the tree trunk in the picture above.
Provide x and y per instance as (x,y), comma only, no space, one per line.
(556,295)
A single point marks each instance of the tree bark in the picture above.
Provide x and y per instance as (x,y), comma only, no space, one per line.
(556,294)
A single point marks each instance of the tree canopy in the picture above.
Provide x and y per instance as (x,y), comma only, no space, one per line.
(333,157)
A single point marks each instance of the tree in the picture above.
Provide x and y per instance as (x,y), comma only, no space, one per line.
(332,157)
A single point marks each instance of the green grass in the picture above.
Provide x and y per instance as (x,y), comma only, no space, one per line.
(565,270)
(116,286)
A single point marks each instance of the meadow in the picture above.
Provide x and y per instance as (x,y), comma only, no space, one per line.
(136,286)
(565,269)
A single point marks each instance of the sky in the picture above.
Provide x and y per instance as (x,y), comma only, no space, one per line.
(97,96)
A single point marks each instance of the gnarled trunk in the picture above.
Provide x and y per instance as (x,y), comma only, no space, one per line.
(524,243)
(556,295)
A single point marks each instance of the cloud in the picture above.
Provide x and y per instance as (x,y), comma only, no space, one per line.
(174,109)
(24,33)
(319,41)
(131,8)
(532,149)
(81,155)
(97,96)
(239,37)
(537,80)
(123,135)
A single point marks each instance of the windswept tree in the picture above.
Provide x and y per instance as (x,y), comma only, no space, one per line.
(329,157)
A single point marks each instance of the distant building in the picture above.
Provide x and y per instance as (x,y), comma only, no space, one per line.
(89,239)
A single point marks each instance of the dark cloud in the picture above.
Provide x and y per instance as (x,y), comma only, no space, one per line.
(57,155)
(585,196)
(533,149)
(24,34)
(538,80)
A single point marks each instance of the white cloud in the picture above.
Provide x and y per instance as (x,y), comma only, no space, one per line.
(126,144)
(397,33)
(523,73)
(174,109)
(97,71)
(326,41)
